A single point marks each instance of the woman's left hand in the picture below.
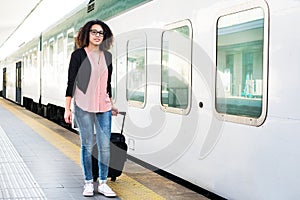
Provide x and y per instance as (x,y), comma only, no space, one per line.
(114,110)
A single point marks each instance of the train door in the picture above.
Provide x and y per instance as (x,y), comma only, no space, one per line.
(18,82)
(4,83)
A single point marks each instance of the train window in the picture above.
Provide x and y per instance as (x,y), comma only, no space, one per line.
(136,71)
(29,59)
(70,44)
(34,58)
(60,52)
(45,54)
(241,66)
(25,60)
(51,53)
(176,67)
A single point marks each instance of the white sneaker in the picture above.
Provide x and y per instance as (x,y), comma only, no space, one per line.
(88,190)
(106,190)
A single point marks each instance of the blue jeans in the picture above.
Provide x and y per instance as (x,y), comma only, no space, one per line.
(88,123)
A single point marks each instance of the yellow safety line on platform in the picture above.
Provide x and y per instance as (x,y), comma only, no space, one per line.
(126,187)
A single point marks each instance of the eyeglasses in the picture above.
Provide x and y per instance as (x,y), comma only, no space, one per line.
(94,32)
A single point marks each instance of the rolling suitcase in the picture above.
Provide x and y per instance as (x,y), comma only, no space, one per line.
(118,154)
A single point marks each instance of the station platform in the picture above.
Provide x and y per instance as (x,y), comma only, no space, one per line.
(41,160)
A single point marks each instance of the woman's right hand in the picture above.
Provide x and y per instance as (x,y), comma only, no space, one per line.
(68,116)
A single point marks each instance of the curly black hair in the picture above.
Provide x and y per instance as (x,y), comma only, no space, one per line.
(83,36)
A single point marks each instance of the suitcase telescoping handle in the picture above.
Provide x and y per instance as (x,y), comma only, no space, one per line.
(124,114)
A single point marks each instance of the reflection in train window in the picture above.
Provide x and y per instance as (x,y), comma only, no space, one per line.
(240,56)
(176,68)
(136,71)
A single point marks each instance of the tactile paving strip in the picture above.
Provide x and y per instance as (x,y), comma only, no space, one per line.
(16,181)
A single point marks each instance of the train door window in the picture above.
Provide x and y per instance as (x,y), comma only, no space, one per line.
(136,71)
(60,52)
(51,52)
(70,43)
(241,71)
(176,67)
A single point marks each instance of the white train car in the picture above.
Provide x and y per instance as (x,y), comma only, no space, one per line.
(21,75)
(230,133)
(210,88)
(30,75)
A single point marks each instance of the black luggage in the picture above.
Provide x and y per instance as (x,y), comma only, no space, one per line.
(118,154)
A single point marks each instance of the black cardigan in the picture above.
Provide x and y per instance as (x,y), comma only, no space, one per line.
(80,71)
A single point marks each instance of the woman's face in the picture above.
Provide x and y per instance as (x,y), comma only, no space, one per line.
(96,35)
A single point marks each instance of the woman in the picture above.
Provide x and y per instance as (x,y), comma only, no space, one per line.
(89,84)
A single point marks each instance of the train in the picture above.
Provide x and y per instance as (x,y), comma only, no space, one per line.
(209,87)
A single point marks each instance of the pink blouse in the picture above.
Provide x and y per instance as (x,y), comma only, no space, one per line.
(96,98)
